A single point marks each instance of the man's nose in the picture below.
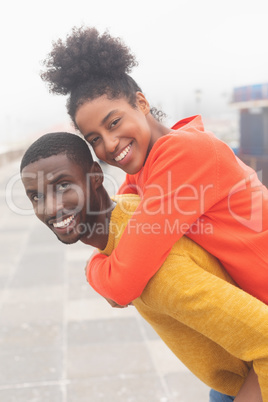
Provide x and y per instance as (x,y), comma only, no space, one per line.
(53,203)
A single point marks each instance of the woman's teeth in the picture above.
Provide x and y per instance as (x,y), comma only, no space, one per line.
(64,223)
(123,154)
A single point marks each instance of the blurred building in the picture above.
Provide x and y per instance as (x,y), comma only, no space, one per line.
(252,103)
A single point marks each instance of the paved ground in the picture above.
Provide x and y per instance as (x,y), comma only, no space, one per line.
(59,340)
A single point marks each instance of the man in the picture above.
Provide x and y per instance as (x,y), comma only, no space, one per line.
(217,330)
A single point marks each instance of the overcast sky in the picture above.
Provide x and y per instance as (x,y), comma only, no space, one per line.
(181,45)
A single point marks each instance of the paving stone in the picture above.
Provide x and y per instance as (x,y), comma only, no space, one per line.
(45,393)
(30,366)
(78,286)
(30,337)
(95,309)
(33,270)
(52,293)
(47,313)
(125,388)
(104,359)
(185,387)
(104,331)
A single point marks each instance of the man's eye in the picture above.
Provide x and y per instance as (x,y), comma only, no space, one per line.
(63,186)
(37,197)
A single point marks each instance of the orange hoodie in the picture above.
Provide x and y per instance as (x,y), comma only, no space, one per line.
(193,184)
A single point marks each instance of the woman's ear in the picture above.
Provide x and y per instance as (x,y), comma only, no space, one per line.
(96,175)
(142,103)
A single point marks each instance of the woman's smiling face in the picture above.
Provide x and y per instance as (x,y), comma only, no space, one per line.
(119,133)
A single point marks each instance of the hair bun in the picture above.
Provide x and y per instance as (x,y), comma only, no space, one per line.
(85,55)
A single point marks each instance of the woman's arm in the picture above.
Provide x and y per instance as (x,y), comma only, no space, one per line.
(179,185)
(185,185)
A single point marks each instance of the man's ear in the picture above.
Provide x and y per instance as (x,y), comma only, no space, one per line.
(96,175)
(142,103)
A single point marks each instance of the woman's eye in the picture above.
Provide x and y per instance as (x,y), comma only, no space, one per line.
(114,123)
(94,141)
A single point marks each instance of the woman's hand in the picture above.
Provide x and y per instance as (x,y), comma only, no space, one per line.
(114,304)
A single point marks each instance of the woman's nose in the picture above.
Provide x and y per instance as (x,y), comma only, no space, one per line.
(111,144)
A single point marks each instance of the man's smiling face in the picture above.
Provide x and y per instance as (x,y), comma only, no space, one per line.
(58,189)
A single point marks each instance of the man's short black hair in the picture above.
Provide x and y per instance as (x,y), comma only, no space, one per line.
(73,146)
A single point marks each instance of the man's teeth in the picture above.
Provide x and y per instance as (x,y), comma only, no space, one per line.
(123,154)
(64,223)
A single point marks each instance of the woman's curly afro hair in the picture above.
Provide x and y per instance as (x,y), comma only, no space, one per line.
(88,65)
(84,55)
